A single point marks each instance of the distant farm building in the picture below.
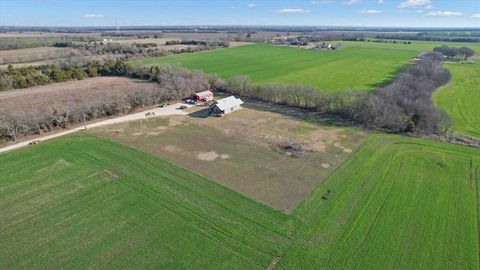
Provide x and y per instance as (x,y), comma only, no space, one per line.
(226,105)
(326,46)
(203,96)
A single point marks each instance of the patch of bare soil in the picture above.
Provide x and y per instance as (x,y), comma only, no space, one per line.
(345,149)
(274,263)
(211,156)
(111,173)
(171,148)
(208,156)
(291,149)
(326,165)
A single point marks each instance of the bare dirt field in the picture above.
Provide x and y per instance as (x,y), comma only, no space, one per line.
(274,158)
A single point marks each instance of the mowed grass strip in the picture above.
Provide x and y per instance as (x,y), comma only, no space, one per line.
(461,98)
(397,203)
(357,68)
(84,202)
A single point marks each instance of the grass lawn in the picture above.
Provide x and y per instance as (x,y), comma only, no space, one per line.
(238,151)
(461,98)
(397,203)
(357,68)
(83,202)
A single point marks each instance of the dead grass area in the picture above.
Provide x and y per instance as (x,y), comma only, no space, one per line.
(236,150)
(39,34)
(34,54)
(94,87)
(42,101)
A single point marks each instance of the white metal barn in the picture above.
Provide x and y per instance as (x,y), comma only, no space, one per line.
(226,105)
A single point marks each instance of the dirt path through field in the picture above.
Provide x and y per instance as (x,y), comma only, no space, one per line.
(169,110)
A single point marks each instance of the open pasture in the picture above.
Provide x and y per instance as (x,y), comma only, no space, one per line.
(34,54)
(397,203)
(416,45)
(461,98)
(357,68)
(84,202)
(242,150)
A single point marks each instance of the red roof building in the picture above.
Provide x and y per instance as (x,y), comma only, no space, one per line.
(203,96)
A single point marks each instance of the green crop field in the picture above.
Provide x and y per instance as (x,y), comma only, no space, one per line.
(397,203)
(357,68)
(461,98)
(83,202)
(416,45)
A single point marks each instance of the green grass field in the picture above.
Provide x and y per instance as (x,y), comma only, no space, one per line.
(397,203)
(461,99)
(357,68)
(83,202)
(416,45)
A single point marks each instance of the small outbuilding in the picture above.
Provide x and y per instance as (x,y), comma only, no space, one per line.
(226,105)
(203,96)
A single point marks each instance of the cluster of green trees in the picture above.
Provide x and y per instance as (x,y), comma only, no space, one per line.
(452,53)
(173,82)
(207,43)
(32,42)
(24,77)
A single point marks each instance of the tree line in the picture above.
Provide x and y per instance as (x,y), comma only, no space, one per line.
(208,43)
(405,105)
(25,77)
(173,83)
(79,68)
(452,53)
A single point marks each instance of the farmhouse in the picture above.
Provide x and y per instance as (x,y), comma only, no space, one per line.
(226,105)
(203,96)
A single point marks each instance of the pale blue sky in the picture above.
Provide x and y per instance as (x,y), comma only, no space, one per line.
(391,13)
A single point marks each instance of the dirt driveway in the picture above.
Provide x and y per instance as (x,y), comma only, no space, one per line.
(165,111)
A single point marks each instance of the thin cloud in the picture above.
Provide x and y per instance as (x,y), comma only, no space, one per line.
(370,11)
(444,13)
(352,2)
(292,10)
(252,5)
(381,1)
(316,2)
(93,16)
(476,16)
(415,4)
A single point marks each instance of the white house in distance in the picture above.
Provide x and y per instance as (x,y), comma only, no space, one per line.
(226,105)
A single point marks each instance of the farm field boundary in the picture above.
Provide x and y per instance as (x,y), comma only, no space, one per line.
(396,203)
